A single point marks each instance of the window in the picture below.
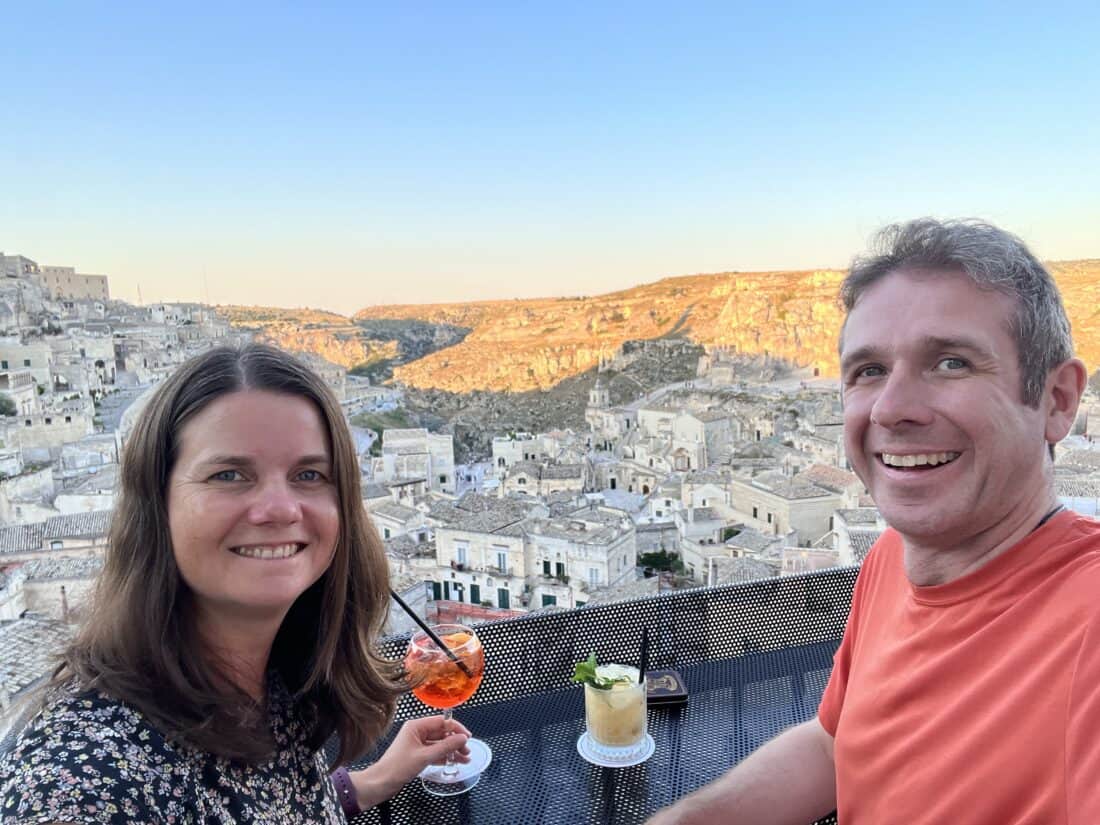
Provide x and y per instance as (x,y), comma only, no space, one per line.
(475,594)
(521,480)
(502,561)
(668,502)
(437,591)
(769,518)
(68,419)
(57,545)
(49,420)
(385,532)
(581,604)
(548,600)
(593,576)
(3,364)
(26,362)
(658,513)
(755,512)
(460,550)
(546,567)
(559,570)
(443,479)
(28,422)
(502,598)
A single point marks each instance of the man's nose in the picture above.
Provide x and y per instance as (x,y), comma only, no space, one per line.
(275,502)
(902,399)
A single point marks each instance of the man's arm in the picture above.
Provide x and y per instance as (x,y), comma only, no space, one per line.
(789,781)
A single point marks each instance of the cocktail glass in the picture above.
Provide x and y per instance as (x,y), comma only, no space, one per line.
(443,683)
(615,717)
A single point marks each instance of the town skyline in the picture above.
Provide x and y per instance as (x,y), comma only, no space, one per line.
(438,155)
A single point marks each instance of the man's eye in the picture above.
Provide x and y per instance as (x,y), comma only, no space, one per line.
(226,475)
(951,364)
(869,371)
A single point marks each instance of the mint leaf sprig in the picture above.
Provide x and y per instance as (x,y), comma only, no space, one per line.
(585,672)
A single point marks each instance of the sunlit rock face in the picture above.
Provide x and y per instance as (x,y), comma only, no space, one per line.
(535,344)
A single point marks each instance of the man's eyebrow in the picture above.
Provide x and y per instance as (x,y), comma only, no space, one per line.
(929,343)
(935,342)
(863,353)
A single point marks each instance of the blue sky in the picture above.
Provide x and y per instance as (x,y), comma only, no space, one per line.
(354,154)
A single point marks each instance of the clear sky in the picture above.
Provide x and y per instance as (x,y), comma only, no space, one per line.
(344,155)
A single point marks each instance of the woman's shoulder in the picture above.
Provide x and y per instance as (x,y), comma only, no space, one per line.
(87,757)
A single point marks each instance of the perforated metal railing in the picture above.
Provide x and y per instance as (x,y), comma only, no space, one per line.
(755,658)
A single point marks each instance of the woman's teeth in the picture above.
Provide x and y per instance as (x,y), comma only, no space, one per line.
(281,551)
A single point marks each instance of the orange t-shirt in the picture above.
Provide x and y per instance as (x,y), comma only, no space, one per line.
(976,701)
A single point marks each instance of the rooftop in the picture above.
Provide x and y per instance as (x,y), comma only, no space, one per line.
(397,512)
(27,649)
(63,567)
(861,515)
(78,525)
(21,538)
(862,540)
(830,478)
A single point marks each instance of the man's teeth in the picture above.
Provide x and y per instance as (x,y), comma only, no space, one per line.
(281,551)
(930,459)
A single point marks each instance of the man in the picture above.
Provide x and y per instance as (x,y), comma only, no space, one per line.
(967,687)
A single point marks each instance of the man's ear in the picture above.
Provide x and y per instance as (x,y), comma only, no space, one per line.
(1064,386)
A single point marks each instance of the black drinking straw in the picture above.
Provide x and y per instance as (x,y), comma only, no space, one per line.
(431,634)
(643,659)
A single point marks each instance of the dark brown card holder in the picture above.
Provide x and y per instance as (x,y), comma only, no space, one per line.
(665,687)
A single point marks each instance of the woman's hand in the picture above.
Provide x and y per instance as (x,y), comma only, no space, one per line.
(419,743)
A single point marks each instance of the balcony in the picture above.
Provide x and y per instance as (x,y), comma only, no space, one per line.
(458,565)
(754,658)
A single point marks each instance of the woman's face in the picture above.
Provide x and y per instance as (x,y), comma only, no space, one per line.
(252,506)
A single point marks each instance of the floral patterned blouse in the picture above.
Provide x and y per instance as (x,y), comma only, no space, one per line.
(87,758)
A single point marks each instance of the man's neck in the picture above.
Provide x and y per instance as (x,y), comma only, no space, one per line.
(936,561)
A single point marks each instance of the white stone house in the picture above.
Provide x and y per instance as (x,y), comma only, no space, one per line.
(417,454)
(776,503)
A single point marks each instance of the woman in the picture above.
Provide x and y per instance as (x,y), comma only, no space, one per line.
(233,627)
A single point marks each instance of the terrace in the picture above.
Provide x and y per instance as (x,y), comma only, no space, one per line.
(755,658)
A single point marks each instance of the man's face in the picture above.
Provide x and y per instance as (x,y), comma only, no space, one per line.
(934,423)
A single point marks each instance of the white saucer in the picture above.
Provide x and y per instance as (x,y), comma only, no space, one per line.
(584,748)
(480,757)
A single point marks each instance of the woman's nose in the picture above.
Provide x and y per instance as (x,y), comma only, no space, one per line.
(276,502)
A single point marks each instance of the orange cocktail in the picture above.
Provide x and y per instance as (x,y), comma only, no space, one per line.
(437,680)
(445,679)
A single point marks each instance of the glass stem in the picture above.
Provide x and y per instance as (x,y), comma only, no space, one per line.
(449,767)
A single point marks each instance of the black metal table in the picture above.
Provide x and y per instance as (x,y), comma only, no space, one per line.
(755,658)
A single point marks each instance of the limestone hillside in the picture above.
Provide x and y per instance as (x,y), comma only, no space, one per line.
(534,344)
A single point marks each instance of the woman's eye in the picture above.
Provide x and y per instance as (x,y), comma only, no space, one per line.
(311,475)
(226,475)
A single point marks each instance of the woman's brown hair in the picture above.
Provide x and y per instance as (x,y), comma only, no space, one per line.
(139,643)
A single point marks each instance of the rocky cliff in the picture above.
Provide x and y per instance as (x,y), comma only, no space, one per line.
(535,344)
(522,345)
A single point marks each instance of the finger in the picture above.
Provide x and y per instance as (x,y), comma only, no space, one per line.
(437,751)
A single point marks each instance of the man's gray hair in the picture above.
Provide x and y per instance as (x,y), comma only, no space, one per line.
(992,259)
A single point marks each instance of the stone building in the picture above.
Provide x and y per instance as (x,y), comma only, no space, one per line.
(774,502)
(417,454)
